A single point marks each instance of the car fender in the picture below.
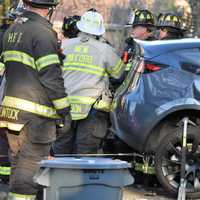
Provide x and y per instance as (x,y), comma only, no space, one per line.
(179,107)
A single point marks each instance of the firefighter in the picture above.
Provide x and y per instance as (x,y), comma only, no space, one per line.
(87,67)
(142,23)
(170,26)
(34,96)
(8,19)
(69,27)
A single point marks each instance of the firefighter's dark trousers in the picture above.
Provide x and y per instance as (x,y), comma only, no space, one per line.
(24,158)
(4,157)
(85,136)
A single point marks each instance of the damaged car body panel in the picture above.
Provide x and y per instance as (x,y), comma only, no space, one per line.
(164,79)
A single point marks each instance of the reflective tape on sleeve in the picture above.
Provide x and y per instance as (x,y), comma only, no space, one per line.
(2,66)
(81,100)
(5,171)
(117,69)
(61,103)
(18,56)
(102,105)
(15,196)
(45,61)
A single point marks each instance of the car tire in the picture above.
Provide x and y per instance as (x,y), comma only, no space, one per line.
(168,161)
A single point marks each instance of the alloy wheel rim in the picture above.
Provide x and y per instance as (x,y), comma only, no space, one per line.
(171,165)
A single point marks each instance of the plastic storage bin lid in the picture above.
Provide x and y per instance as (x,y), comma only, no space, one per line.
(85,163)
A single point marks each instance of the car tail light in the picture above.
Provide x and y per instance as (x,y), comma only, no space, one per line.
(150,67)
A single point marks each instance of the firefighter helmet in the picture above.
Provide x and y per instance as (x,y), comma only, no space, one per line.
(15,10)
(41,3)
(170,21)
(141,17)
(69,27)
(91,22)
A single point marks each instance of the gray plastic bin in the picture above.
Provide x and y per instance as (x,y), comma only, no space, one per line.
(83,178)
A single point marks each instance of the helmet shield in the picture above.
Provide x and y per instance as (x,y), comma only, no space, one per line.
(141,17)
(171,22)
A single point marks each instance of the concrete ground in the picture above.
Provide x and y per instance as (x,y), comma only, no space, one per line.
(139,192)
(3,191)
(134,192)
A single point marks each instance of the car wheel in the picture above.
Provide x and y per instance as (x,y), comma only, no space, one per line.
(168,161)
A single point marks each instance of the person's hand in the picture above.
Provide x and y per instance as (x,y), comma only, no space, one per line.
(66,125)
(50,157)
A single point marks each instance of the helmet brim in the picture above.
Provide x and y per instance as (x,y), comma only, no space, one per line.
(139,24)
(143,24)
(171,27)
(38,4)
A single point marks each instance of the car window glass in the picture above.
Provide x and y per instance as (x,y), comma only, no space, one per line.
(189,59)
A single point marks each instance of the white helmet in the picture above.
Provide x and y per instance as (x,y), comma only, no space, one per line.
(91,22)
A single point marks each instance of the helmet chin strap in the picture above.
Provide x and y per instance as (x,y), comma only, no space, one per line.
(50,13)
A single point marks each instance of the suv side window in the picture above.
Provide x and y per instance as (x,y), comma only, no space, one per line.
(189,60)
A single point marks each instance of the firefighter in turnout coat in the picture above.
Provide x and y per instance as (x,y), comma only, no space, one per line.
(34,96)
(87,67)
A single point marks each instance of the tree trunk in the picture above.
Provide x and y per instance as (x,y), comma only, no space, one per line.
(195,6)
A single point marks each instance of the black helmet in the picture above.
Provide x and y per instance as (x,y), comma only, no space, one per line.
(9,16)
(41,3)
(69,27)
(92,9)
(141,17)
(15,10)
(170,21)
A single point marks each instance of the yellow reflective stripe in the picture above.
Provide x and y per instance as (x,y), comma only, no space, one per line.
(46,61)
(2,66)
(128,67)
(11,126)
(29,106)
(145,169)
(18,56)
(16,196)
(81,100)
(78,116)
(61,103)
(84,70)
(66,64)
(117,68)
(87,68)
(113,105)
(5,171)
(102,105)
